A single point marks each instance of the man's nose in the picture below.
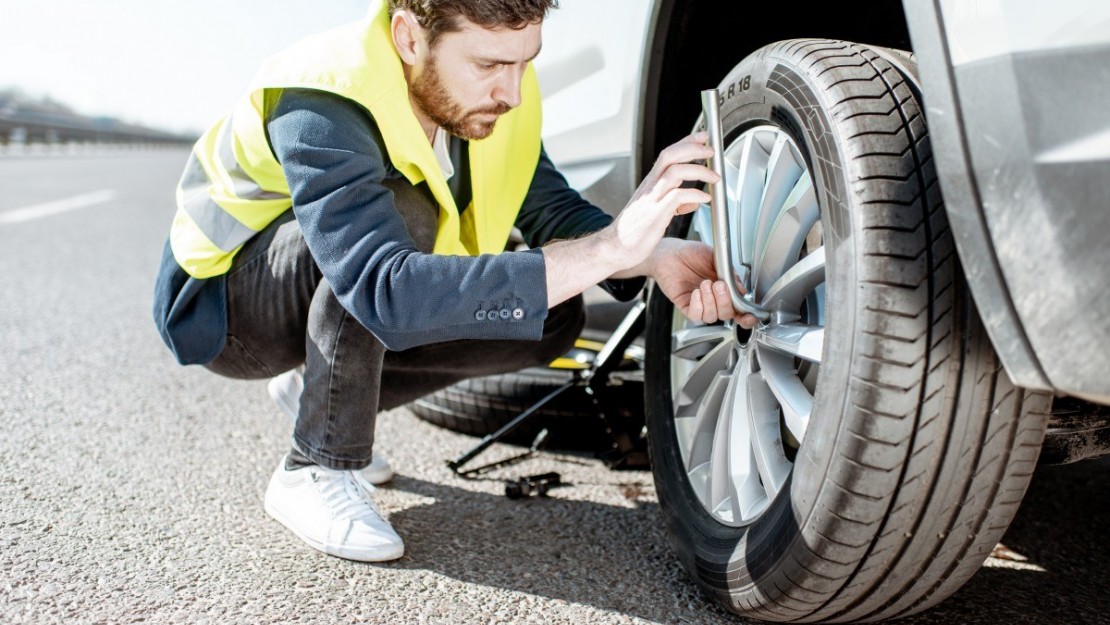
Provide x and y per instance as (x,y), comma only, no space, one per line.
(507,89)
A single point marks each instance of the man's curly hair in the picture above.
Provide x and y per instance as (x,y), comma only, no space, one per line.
(439,17)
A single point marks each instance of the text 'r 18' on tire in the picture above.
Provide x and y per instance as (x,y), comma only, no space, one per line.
(857,457)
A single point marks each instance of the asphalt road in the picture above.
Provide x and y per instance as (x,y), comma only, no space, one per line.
(131,488)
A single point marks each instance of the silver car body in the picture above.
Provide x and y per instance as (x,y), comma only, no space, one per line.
(589,75)
(1016,93)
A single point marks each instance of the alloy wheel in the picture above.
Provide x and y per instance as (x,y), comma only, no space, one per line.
(743,399)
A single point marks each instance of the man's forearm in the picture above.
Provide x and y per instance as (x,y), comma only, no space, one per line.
(573,266)
(647,266)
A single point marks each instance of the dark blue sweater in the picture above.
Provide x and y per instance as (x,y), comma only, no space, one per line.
(334,160)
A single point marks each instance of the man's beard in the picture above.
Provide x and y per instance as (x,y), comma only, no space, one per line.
(431,96)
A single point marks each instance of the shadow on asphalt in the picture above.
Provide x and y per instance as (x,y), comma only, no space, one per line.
(611,557)
(1060,528)
(604,556)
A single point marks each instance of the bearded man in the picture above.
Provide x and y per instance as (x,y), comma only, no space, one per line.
(341,232)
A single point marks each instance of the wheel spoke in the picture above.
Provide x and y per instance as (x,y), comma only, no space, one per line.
(738,170)
(783,172)
(722,493)
(735,161)
(701,376)
(702,225)
(705,424)
(794,398)
(783,243)
(694,342)
(750,158)
(789,291)
(796,339)
(748,495)
(766,434)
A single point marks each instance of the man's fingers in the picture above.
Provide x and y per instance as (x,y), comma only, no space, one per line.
(684,209)
(690,149)
(694,311)
(685,151)
(723,301)
(747,322)
(739,283)
(684,200)
(709,305)
(680,173)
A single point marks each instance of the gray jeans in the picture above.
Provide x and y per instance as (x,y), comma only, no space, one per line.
(282,313)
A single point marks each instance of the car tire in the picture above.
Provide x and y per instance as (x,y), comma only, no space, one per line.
(857,457)
(481,406)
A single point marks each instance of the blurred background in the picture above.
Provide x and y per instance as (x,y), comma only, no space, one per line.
(77,72)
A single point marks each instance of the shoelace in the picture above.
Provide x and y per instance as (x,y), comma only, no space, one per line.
(344,497)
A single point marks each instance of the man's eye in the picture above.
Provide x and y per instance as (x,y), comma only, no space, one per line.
(487,67)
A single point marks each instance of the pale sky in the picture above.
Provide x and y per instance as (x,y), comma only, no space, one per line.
(177,65)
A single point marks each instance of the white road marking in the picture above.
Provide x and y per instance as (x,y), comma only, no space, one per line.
(46,209)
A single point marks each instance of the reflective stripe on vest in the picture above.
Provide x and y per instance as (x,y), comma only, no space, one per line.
(221,228)
(233,186)
(219,205)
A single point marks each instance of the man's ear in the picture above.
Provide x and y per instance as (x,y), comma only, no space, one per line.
(408,36)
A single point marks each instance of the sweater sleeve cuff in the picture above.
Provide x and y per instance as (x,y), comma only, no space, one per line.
(517,310)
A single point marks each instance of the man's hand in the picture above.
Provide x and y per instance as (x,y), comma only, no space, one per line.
(633,245)
(639,227)
(685,272)
(623,248)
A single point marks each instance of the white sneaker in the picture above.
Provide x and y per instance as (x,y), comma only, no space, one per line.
(286,389)
(332,511)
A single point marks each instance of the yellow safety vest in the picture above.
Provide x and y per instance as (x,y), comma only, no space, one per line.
(233,186)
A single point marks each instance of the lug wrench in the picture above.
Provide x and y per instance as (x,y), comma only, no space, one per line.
(718,205)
